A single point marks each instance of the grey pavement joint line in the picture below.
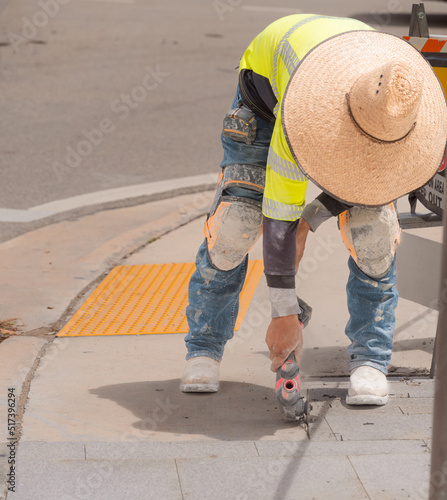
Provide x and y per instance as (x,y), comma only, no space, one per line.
(324,411)
(178,478)
(360,481)
(332,430)
(285,483)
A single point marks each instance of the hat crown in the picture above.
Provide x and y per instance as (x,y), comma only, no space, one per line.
(384,103)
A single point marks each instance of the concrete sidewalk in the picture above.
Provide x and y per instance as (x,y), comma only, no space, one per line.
(102,417)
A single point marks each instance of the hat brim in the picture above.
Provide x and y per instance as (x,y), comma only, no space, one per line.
(330,148)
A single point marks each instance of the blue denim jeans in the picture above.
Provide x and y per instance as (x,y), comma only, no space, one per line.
(214,294)
(371,305)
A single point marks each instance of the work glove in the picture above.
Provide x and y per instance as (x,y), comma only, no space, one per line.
(284,335)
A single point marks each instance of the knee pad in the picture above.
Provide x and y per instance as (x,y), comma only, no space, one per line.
(371,236)
(234,223)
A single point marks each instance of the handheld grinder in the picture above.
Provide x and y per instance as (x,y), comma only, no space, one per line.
(288,383)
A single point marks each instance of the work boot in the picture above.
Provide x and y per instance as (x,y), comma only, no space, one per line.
(201,374)
(367,386)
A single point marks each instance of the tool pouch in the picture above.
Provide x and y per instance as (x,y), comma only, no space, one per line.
(240,125)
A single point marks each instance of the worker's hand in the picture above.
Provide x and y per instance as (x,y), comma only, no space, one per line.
(284,335)
(301,237)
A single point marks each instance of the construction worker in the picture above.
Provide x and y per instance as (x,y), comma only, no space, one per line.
(361,114)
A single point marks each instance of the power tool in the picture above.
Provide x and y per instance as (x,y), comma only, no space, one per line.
(288,383)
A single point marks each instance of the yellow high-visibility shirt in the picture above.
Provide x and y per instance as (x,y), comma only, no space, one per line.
(274,54)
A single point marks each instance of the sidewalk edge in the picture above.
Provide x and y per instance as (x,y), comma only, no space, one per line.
(20,358)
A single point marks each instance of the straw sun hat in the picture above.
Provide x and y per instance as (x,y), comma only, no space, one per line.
(365,117)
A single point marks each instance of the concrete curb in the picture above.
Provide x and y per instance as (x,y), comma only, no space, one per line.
(18,358)
(111,198)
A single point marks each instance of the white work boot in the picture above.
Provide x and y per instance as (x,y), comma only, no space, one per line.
(201,374)
(367,386)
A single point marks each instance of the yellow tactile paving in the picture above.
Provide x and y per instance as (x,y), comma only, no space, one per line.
(146,299)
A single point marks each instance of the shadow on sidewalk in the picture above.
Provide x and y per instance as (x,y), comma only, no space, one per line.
(239,411)
(332,361)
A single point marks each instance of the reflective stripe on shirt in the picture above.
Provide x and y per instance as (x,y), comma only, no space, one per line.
(284,167)
(280,211)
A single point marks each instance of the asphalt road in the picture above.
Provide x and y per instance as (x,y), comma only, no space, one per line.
(98,94)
